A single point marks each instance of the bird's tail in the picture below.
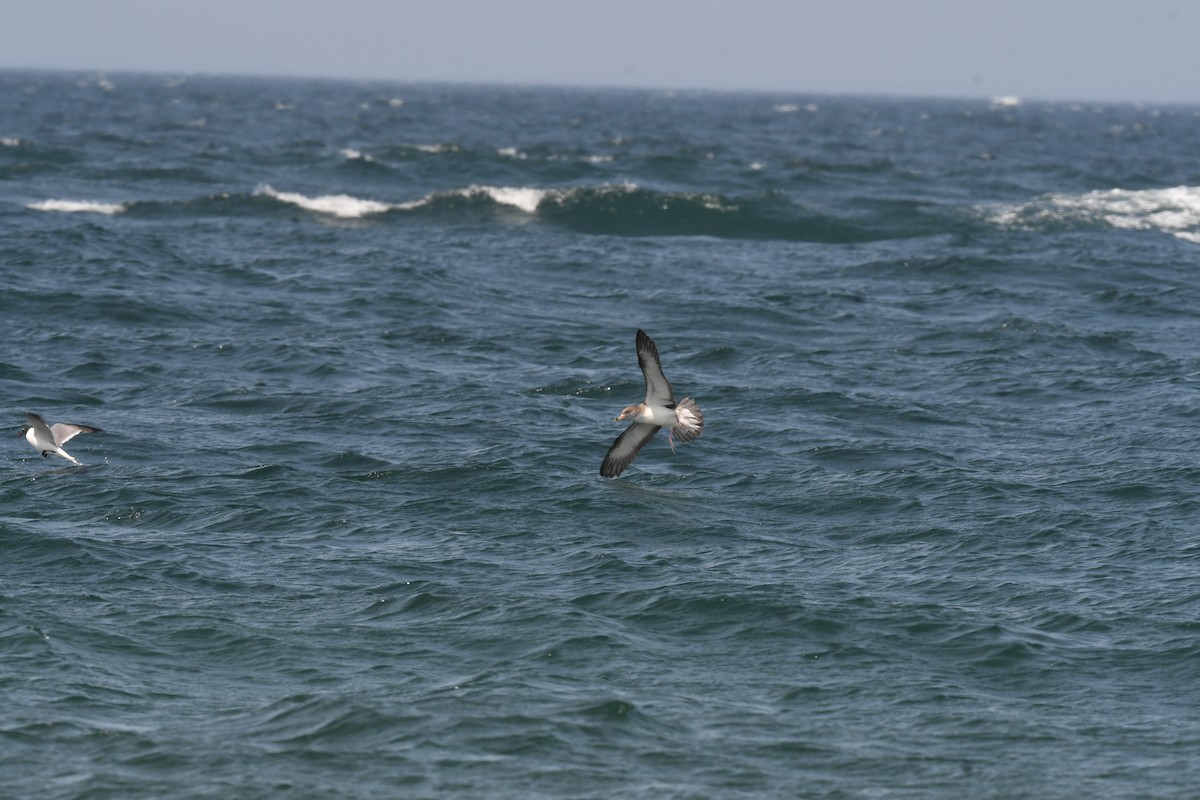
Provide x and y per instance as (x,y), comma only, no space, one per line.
(691,420)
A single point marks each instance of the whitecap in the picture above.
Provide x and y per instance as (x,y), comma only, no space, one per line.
(343,206)
(77,206)
(1006,101)
(10,141)
(350,154)
(525,198)
(1174,210)
(414,204)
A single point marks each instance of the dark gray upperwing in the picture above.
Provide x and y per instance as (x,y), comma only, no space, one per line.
(626,447)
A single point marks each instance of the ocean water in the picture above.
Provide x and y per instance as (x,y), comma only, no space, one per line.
(356,349)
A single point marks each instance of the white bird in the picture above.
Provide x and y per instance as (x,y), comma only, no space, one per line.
(658,410)
(48,439)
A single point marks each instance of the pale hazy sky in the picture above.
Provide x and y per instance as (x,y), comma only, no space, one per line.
(1141,50)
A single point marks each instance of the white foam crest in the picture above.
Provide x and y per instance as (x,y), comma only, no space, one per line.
(350,154)
(10,141)
(1174,210)
(525,198)
(435,149)
(792,108)
(343,206)
(714,203)
(410,205)
(77,207)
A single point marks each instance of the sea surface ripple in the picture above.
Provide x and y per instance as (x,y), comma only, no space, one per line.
(356,349)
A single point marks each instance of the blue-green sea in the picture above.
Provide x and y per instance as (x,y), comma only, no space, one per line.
(356,350)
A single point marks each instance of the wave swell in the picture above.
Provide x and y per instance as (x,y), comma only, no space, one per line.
(625,209)
(630,210)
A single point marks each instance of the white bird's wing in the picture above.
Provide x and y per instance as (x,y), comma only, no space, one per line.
(658,389)
(40,429)
(66,431)
(626,447)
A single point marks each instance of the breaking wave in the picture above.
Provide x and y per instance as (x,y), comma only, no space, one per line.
(348,207)
(618,209)
(343,206)
(77,207)
(630,210)
(1175,211)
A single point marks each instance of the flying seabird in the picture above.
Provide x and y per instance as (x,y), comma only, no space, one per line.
(48,439)
(658,410)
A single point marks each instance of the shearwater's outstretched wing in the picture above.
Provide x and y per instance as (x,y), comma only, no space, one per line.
(66,431)
(658,388)
(627,444)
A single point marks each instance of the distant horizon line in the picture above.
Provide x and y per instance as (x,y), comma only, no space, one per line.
(1000,98)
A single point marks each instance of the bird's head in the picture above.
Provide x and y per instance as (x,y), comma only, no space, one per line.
(23,432)
(630,411)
